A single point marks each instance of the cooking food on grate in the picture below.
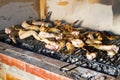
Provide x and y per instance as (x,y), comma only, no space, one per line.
(27,33)
(111,49)
(12,33)
(77,43)
(23,33)
(30,27)
(91,55)
(70,48)
(39,23)
(59,35)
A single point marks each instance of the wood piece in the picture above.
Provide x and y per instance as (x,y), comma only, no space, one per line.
(43,9)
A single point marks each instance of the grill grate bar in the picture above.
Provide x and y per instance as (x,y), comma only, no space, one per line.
(116,42)
(107,65)
(66,70)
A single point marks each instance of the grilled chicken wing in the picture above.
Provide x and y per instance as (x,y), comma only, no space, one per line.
(93,41)
(57,35)
(30,27)
(51,44)
(77,43)
(24,34)
(91,55)
(111,49)
(12,33)
(41,23)
(70,48)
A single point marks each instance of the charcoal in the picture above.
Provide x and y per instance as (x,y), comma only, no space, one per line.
(101,59)
(39,50)
(73,59)
(101,63)
(9,41)
(113,71)
(94,66)
(118,69)
(85,65)
(105,68)
(27,46)
(49,51)
(98,68)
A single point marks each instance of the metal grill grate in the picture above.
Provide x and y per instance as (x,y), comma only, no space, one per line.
(101,63)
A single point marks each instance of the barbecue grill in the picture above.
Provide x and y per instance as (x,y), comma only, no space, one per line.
(75,66)
(102,63)
(78,70)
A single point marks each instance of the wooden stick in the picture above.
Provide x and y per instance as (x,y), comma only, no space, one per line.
(43,9)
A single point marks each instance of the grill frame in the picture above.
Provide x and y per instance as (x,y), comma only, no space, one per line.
(69,68)
(53,65)
(81,61)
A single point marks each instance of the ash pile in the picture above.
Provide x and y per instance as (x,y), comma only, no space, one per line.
(96,50)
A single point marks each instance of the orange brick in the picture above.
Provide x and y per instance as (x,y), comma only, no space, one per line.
(12,61)
(47,75)
(34,70)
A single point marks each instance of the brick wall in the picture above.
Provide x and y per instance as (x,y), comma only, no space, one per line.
(13,73)
(23,71)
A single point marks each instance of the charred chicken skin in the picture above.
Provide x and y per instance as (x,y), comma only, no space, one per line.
(59,35)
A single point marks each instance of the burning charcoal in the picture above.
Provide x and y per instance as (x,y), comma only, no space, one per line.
(84,65)
(109,70)
(65,58)
(112,71)
(91,65)
(44,51)
(98,68)
(40,50)
(56,55)
(74,60)
(69,60)
(94,66)
(9,41)
(118,69)
(104,68)
(104,60)
(100,60)
(26,46)
(49,51)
